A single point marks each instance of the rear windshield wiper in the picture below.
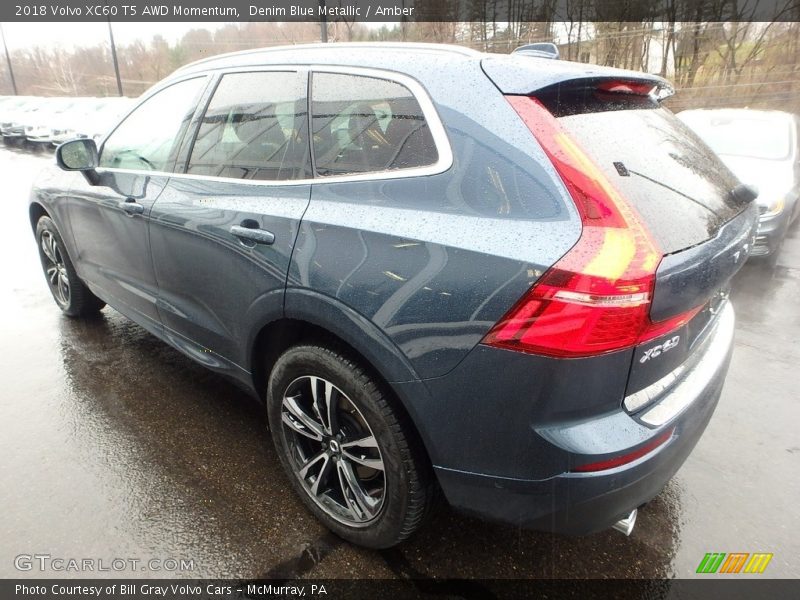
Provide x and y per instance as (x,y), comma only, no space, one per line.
(743,193)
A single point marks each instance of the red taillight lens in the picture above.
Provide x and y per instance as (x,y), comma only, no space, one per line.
(617,461)
(654,330)
(595,299)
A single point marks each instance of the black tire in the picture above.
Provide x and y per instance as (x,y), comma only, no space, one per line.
(75,300)
(408,488)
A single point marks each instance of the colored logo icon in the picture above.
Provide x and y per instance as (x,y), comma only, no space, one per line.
(734,562)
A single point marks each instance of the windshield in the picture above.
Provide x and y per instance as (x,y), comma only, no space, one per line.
(753,137)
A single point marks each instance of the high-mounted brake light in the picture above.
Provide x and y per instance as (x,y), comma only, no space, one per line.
(597,297)
(637,88)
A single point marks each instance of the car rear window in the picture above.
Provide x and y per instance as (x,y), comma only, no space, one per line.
(677,184)
(366,124)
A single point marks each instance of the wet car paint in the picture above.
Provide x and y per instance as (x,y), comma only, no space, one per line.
(115,444)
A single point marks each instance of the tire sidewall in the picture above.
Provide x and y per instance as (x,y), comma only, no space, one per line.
(358,386)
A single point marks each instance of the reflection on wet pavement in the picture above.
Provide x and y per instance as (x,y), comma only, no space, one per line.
(114,445)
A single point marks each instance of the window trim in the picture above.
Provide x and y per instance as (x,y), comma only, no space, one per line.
(438,132)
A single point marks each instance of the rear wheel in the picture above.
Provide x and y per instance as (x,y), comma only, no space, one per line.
(348,453)
(69,292)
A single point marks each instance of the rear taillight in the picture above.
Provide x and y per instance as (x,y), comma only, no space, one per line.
(597,297)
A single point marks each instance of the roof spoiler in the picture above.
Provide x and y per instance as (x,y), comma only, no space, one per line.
(515,76)
(540,49)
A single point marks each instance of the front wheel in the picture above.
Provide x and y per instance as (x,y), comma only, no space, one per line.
(69,292)
(348,453)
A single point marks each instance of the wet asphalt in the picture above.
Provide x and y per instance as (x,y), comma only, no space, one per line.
(114,445)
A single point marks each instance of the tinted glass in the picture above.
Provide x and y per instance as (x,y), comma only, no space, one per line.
(149,137)
(494,186)
(365,124)
(255,127)
(673,179)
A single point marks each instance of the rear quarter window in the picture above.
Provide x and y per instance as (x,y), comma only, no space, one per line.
(366,124)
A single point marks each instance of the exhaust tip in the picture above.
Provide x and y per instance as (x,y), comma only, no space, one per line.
(626,525)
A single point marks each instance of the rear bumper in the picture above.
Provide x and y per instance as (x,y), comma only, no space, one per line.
(580,503)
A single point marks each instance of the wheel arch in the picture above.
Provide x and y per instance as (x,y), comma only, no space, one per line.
(315,318)
(307,312)
(35,212)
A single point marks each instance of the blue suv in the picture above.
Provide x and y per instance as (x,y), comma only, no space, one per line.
(502,278)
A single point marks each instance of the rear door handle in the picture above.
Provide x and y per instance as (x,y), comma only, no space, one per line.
(259,236)
(131,206)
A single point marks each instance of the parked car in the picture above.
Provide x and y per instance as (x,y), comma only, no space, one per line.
(93,118)
(39,126)
(504,277)
(12,126)
(763,149)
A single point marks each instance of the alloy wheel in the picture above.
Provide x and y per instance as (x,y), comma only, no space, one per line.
(54,268)
(333,451)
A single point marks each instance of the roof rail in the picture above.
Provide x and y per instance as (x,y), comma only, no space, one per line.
(447,48)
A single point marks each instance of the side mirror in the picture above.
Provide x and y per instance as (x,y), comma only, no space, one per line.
(78,155)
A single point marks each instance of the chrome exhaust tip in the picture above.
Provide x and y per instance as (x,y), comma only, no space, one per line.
(626,525)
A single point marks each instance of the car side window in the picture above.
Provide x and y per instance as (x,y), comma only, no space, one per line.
(149,137)
(255,127)
(366,124)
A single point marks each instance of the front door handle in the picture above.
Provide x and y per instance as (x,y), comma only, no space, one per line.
(259,236)
(131,206)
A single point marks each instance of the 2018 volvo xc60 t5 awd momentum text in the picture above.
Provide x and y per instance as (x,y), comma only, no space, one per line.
(502,278)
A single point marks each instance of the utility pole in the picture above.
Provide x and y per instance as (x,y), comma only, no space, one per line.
(114,57)
(403,20)
(323,22)
(8,61)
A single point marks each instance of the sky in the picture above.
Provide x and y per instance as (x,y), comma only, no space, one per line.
(22,35)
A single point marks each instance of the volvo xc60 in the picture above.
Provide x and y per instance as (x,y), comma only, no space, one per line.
(502,278)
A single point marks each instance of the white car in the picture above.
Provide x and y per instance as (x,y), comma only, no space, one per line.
(14,116)
(39,127)
(92,118)
(762,148)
